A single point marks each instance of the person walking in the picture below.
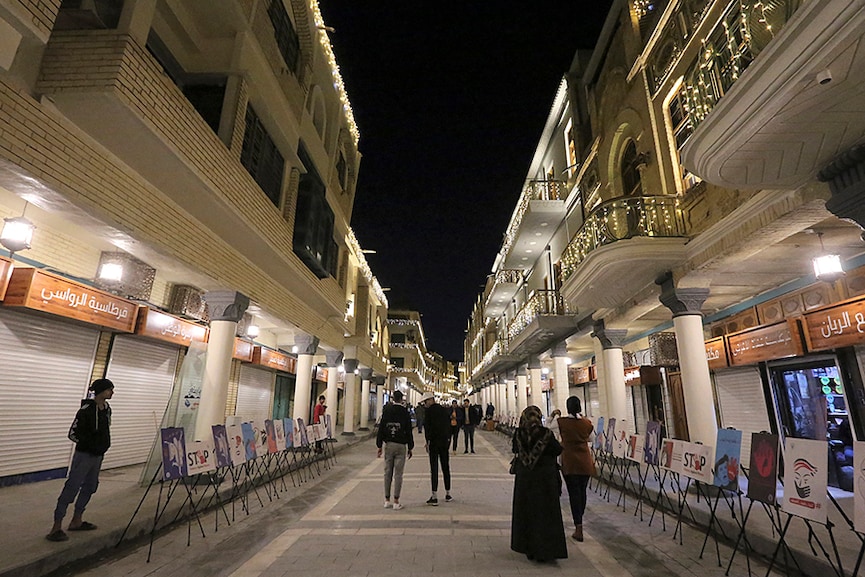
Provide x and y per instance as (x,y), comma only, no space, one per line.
(472,419)
(394,432)
(438,436)
(318,413)
(457,418)
(90,431)
(577,464)
(419,416)
(537,529)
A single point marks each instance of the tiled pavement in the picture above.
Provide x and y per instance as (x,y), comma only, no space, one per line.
(337,526)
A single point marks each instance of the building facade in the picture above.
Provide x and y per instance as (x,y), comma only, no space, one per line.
(414,368)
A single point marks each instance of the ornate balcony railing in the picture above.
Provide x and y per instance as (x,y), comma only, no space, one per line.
(622,218)
(541,302)
(534,190)
(506,276)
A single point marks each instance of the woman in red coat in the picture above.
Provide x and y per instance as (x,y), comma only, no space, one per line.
(577,463)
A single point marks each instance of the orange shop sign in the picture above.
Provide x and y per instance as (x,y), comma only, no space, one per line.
(775,341)
(158,325)
(273,359)
(243,350)
(42,291)
(5,274)
(839,325)
(716,353)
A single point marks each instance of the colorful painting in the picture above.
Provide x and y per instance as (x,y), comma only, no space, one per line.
(279,433)
(762,480)
(271,436)
(610,435)
(248,440)
(288,425)
(200,457)
(671,455)
(173,453)
(328,426)
(260,438)
(301,439)
(620,443)
(599,434)
(727,454)
(805,478)
(652,444)
(220,446)
(631,452)
(236,446)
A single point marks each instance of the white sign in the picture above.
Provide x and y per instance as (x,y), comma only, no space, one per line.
(697,461)
(805,478)
(200,457)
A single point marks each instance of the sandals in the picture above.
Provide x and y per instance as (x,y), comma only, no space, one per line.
(84,526)
(57,536)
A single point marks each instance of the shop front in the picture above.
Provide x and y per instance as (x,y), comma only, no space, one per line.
(583,382)
(257,396)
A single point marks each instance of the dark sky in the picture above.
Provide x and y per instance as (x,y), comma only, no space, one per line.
(450,99)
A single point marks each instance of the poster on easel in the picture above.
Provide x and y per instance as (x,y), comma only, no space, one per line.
(260,438)
(652,444)
(806,477)
(220,446)
(599,434)
(288,425)
(315,432)
(328,423)
(271,436)
(173,453)
(633,451)
(301,439)
(620,443)
(279,433)
(763,477)
(859,486)
(728,450)
(697,462)
(610,435)
(200,457)
(671,455)
(322,431)
(248,440)
(236,446)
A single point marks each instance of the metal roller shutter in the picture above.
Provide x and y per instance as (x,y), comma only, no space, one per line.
(143,373)
(254,394)
(594,409)
(742,405)
(46,367)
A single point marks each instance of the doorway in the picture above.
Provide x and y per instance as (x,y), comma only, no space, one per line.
(283,396)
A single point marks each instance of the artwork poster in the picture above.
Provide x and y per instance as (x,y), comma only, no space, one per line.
(236,446)
(697,461)
(728,451)
(173,453)
(200,457)
(221,446)
(248,440)
(652,444)
(806,476)
(763,477)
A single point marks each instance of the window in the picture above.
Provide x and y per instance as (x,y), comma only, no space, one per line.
(342,171)
(285,35)
(397,338)
(313,222)
(631,185)
(398,362)
(571,148)
(680,122)
(261,157)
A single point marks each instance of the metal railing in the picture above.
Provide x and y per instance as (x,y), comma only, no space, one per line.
(541,302)
(534,190)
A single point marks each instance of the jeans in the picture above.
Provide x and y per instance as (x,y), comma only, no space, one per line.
(455,433)
(577,495)
(83,480)
(394,463)
(469,435)
(439,453)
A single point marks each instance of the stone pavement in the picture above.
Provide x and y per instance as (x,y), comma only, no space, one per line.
(337,525)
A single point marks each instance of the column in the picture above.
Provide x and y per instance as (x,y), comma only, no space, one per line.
(226,309)
(331,395)
(509,395)
(600,374)
(614,369)
(560,374)
(522,395)
(537,391)
(379,397)
(365,377)
(685,304)
(348,426)
(306,345)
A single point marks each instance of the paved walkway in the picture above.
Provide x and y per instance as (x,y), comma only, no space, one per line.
(336,525)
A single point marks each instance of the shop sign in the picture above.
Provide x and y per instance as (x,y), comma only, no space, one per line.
(243,350)
(580,375)
(841,325)
(273,359)
(5,273)
(642,375)
(41,291)
(158,325)
(716,353)
(776,341)
(321,374)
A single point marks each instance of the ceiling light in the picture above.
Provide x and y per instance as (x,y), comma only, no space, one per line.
(17,233)
(827,267)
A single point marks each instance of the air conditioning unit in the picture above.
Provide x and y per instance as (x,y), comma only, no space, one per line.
(187,301)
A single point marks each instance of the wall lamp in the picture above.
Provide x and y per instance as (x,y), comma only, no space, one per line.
(827,267)
(17,233)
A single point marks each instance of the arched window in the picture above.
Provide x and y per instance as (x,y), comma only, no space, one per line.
(630,174)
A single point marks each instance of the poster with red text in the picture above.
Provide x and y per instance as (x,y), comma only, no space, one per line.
(697,461)
(805,478)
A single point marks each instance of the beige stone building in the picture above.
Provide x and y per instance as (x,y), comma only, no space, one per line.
(414,368)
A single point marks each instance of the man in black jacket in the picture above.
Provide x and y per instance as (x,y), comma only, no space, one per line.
(438,435)
(472,420)
(394,431)
(90,431)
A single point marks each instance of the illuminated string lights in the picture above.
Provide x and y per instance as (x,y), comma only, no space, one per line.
(351,240)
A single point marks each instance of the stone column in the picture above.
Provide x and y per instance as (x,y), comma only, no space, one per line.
(365,377)
(614,370)
(522,395)
(537,391)
(685,304)
(509,395)
(331,395)
(350,366)
(379,397)
(226,309)
(306,345)
(600,375)
(560,374)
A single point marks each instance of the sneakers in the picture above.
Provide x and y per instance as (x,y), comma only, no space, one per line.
(397,506)
(432,501)
(387,504)
(448,498)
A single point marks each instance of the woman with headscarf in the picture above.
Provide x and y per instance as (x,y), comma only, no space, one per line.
(577,463)
(537,529)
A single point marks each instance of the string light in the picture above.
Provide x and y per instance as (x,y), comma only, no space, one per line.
(351,240)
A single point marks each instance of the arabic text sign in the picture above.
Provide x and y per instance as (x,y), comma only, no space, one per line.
(716,353)
(42,291)
(273,359)
(765,343)
(158,325)
(841,325)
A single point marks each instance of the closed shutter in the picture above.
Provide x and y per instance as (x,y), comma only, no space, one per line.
(594,404)
(143,374)
(640,410)
(742,404)
(45,368)
(254,394)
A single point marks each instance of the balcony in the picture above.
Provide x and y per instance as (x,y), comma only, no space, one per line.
(777,93)
(623,245)
(544,320)
(539,212)
(496,360)
(505,286)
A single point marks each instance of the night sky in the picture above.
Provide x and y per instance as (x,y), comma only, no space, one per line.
(450,99)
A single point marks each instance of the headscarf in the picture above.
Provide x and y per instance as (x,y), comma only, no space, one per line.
(531,437)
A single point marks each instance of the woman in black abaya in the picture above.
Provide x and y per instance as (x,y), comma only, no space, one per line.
(537,529)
